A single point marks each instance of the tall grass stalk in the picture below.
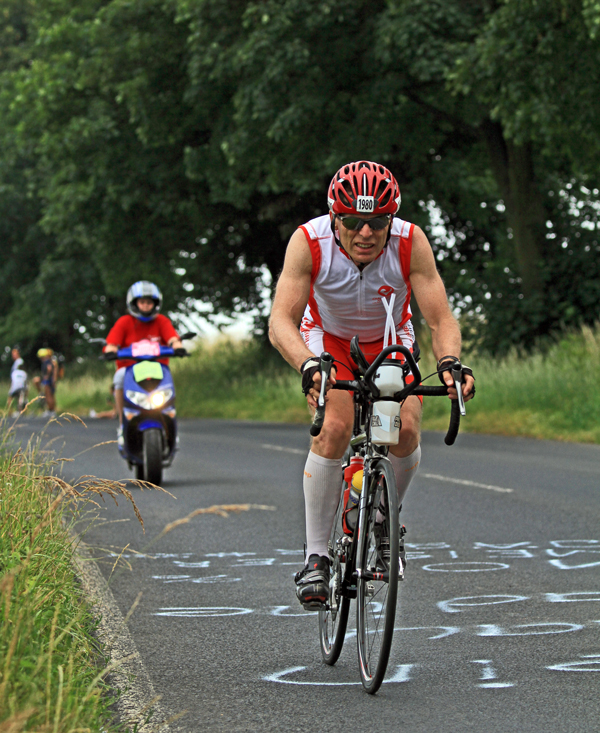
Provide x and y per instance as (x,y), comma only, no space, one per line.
(51,666)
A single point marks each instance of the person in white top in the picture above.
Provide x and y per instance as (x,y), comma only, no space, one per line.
(352,272)
(18,381)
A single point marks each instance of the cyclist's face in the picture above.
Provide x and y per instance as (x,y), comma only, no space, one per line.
(363,245)
(145,305)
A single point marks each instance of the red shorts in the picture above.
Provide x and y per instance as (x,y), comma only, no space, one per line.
(344,364)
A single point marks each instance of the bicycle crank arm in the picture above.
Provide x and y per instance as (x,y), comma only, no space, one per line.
(374,575)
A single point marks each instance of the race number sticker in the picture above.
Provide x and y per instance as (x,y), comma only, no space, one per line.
(365,204)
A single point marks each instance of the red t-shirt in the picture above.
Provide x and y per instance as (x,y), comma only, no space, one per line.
(127,330)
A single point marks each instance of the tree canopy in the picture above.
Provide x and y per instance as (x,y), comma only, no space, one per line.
(183,141)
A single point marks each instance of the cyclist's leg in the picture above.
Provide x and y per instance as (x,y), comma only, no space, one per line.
(323,471)
(322,489)
(406,456)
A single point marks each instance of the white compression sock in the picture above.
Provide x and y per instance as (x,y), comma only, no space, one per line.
(322,490)
(405,470)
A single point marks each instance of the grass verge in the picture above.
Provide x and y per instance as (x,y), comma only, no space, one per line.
(51,666)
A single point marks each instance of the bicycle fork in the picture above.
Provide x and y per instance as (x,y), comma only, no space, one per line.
(367,498)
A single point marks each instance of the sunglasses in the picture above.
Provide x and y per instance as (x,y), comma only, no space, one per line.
(355,224)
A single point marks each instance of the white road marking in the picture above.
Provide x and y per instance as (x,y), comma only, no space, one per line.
(456,605)
(297,451)
(548,627)
(402,674)
(460,567)
(576,596)
(563,566)
(202,611)
(489,673)
(574,544)
(593,665)
(463,482)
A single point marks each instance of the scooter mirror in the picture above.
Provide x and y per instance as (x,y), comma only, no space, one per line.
(188,335)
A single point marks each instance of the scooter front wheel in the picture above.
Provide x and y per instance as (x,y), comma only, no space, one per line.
(152,455)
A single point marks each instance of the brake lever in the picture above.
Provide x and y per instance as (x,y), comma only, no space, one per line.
(457,377)
(325,371)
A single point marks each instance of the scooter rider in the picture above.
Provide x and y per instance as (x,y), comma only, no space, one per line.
(144,322)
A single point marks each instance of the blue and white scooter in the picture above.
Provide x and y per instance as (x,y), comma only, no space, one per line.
(149,425)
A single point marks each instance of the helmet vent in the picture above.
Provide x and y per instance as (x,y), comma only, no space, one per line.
(346,188)
(382,189)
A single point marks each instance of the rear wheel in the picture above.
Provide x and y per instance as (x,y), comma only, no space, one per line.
(334,619)
(377,595)
(152,454)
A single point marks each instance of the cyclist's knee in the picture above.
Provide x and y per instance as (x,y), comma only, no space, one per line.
(410,437)
(334,438)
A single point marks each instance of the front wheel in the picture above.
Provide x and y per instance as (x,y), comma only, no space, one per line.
(152,456)
(378,591)
(334,618)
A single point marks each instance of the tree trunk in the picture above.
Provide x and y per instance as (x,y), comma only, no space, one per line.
(512,165)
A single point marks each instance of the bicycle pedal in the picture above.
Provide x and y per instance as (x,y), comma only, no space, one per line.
(314,606)
(401,568)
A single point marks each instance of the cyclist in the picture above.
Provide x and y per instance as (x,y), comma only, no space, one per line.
(352,272)
(143,322)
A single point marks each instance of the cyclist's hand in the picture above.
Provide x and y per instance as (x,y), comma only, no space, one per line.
(311,380)
(468,387)
(468,381)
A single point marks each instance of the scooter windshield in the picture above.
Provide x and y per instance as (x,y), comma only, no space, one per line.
(147,370)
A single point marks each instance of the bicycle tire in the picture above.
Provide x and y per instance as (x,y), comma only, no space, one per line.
(377,598)
(333,620)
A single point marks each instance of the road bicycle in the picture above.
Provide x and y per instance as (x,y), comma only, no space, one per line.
(360,570)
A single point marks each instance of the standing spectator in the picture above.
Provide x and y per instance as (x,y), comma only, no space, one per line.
(18,382)
(47,380)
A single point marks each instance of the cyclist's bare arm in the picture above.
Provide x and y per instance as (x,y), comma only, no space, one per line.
(431,296)
(291,297)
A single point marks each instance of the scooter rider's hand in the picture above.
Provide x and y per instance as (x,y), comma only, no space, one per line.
(110,352)
(180,352)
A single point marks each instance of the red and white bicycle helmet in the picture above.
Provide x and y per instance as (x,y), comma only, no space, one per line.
(363,187)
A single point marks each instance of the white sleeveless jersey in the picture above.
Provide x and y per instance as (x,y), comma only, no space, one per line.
(345,301)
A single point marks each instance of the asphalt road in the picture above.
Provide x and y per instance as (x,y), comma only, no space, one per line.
(498,626)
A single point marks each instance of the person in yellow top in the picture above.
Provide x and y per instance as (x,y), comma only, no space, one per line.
(47,380)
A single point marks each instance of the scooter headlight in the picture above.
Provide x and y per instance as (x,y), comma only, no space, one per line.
(139,398)
(160,397)
(153,401)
